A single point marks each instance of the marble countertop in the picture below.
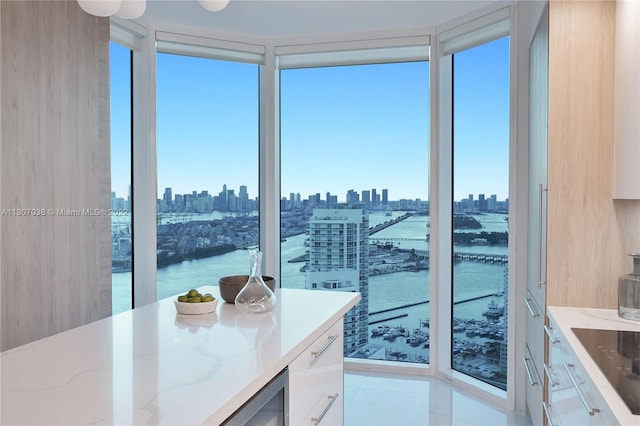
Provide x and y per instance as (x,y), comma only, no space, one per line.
(153,366)
(603,319)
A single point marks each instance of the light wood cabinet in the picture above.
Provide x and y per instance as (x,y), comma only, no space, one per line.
(626,106)
(316,381)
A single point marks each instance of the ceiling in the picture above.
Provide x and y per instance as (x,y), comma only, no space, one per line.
(280,19)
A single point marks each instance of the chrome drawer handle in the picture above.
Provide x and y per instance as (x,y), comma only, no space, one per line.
(545,408)
(326,346)
(332,398)
(549,334)
(526,367)
(548,373)
(533,314)
(541,211)
(590,410)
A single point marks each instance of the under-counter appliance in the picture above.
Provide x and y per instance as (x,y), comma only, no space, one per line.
(617,354)
(269,407)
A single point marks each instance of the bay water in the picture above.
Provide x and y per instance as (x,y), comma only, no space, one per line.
(390,292)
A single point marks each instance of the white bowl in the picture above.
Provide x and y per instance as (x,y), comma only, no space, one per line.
(186,308)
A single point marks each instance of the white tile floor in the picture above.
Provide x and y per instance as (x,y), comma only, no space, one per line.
(401,400)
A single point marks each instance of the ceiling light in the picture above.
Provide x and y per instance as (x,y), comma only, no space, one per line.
(131,9)
(100,7)
(214,5)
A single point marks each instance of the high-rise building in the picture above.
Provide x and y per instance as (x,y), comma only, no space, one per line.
(366,198)
(168,197)
(375,197)
(385,196)
(482,203)
(243,199)
(339,261)
(492,202)
(352,197)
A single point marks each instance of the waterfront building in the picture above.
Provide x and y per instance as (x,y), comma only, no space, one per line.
(339,261)
(385,197)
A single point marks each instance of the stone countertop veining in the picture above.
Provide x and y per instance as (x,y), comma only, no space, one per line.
(153,366)
(603,319)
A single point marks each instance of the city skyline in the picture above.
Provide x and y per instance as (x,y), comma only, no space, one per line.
(472,197)
(370,121)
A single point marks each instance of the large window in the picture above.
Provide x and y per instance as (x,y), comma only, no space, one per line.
(207,149)
(121,236)
(341,139)
(480,211)
(354,210)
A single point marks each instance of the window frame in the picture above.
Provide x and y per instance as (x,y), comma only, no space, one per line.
(485,25)
(144,173)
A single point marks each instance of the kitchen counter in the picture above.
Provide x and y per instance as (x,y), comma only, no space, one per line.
(153,366)
(603,319)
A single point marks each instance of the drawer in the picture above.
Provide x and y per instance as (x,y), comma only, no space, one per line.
(534,388)
(574,398)
(316,381)
(535,330)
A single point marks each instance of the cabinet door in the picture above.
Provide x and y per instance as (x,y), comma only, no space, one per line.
(538,99)
(316,381)
(533,389)
(535,300)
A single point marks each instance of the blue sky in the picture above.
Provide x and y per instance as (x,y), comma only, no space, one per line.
(349,127)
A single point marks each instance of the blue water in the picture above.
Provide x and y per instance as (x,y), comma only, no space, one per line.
(385,291)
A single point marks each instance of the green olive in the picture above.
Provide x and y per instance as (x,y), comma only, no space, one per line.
(195,299)
(192,293)
(183,299)
(207,298)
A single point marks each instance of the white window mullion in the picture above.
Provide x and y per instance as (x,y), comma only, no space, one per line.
(269,180)
(144,174)
(441,215)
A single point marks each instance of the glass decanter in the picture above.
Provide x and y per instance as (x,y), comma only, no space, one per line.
(629,292)
(255,296)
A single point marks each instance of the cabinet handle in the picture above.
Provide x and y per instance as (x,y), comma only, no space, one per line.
(549,333)
(541,190)
(533,313)
(545,408)
(332,398)
(325,347)
(548,373)
(526,367)
(590,410)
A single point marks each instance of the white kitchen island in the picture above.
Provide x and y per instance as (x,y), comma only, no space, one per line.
(153,366)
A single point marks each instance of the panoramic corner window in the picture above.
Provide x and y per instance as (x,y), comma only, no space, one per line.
(480,211)
(207,169)
(354,142)
(121,140)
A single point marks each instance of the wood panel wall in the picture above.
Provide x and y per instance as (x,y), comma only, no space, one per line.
(589,235)
(56,268)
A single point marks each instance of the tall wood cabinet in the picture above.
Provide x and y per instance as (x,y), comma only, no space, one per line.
(578,237)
